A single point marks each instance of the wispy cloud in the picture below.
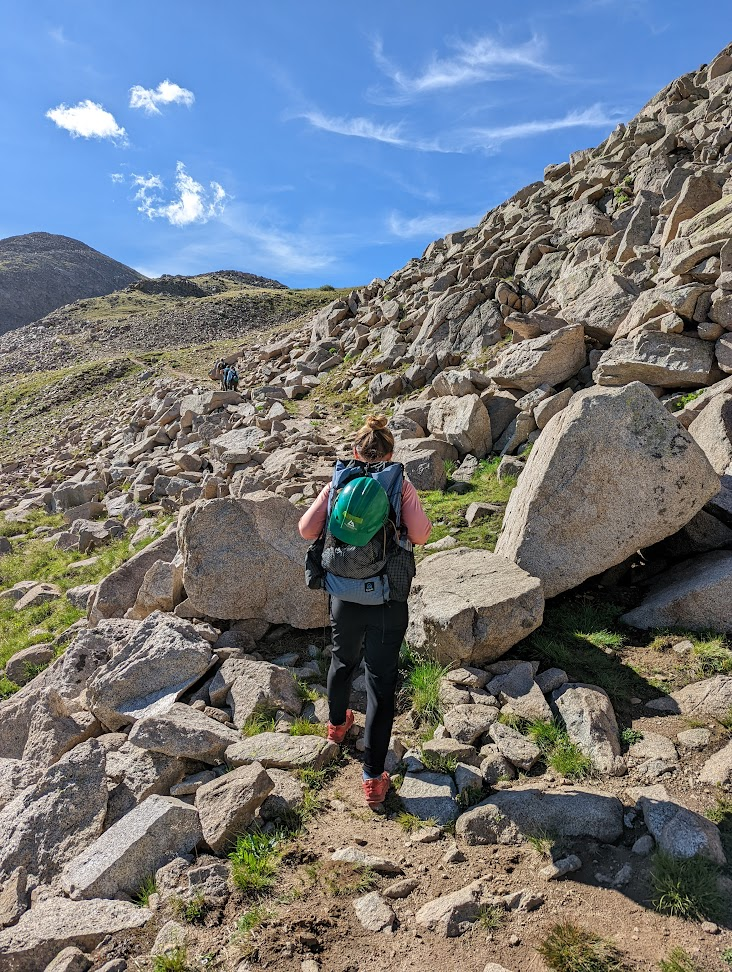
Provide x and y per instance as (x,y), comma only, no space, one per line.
(391,133)
(460,140)
(489,138)
(87,120)
(472,62)
(357,127)
(193,203)
(166,93)
(429,224)
(117,177)
(57,34)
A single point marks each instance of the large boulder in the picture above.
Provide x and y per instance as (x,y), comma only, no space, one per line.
(243,558)
(158,830)
(551,359)
(472,606)
(56,923)
(657,358)
(430,796)
(695,595)
(463,422)
(712,429)
(52,821)
(580,813)
(602,307)
(118,592)
(59,687)
(163,657)
(572,515)
(69,494)
(204,402)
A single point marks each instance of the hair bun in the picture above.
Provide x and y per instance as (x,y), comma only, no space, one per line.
(376,421)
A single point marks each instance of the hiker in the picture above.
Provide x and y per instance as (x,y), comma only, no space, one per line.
(364,524)
(233,378)
(225,377)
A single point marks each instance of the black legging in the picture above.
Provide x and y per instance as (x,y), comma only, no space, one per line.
(374,632)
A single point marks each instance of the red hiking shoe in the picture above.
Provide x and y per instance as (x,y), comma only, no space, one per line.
(337,734)
(375,790)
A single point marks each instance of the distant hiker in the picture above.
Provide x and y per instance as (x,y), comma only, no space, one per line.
(233,379)
(226,377)
(364,524)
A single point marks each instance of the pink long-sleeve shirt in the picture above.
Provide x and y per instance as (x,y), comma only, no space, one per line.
(414,517)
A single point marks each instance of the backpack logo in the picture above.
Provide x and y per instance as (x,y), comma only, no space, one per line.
(369,587)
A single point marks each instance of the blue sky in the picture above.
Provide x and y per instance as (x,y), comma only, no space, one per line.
(316,142)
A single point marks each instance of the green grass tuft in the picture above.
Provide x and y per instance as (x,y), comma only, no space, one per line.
(410,823)
(304,727)
(146,889)
(558,751)
(438,762)
(569,948)
(261,721)
(246,923)
(492,917)
(255,861)
(685,888)
(422,685)
(190,910)
(679,961)
(173,960)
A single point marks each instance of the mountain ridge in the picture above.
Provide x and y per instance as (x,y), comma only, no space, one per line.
(41,271)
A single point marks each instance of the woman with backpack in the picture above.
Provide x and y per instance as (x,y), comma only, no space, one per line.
(365,522)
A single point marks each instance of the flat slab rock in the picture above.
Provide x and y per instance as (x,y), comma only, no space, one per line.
(430,796)
(280,751)
(58,923)
(139,843)
(354,855)
(578,813)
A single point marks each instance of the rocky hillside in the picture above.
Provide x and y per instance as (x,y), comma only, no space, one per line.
(41,271)
(559,382)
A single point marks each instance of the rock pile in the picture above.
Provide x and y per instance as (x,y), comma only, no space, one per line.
(582,332)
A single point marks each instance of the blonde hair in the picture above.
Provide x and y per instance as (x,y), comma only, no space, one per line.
(374,442)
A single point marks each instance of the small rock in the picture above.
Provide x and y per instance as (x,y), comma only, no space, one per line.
(401,889)
(623,876)
(710,928)
(427,835)
(453,855)
(643,846)
(558,869)
(374,913)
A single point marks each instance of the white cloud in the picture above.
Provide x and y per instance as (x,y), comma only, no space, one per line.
(88,120)
(117,177)
(194,202)
(166,93)
(431,224)
(473,62)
